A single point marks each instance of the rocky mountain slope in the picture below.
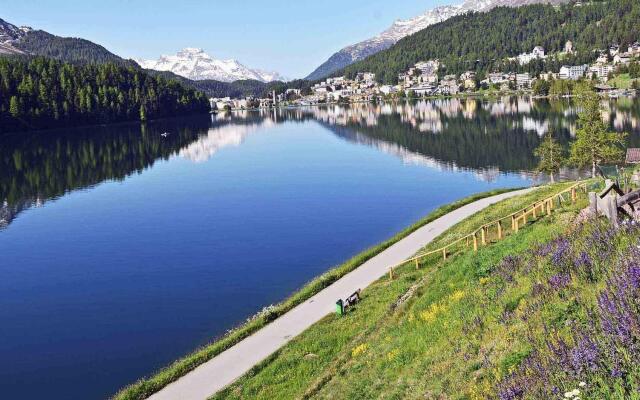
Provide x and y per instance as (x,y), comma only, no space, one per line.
(195,64)
(402,28)
(9,34)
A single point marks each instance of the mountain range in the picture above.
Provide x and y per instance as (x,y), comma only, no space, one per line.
(27,41)
(403,28)
(195,64)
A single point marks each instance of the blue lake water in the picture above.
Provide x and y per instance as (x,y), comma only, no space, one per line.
(121,250)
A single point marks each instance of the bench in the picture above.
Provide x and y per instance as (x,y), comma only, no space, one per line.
(343,306)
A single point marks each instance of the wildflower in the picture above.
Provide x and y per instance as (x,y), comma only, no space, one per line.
(582,384)
(584,357)
(561,252)
(583,260)
(559,281)
(507,267)
(544,250)
(392,354)
(360,349)
(457,295)
(572,394)
(431,314)
(511,393)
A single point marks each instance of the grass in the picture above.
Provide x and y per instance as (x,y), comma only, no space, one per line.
(147,386)
(429,333)
(621,81)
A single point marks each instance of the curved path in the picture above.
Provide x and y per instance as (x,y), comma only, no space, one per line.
(234,362)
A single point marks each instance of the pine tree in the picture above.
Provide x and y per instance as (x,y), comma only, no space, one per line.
(143,113)
(550,156)
(594,143)
(14,107)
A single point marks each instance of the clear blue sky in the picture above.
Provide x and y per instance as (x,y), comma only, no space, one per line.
(290,36)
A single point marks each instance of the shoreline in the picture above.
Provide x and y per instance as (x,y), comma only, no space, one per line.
(147,386)
(487,95)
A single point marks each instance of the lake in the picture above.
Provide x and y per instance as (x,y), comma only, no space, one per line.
(122,250)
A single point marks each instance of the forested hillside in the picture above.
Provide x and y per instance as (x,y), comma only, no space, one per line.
(481,41)
(41,43)
(44,93)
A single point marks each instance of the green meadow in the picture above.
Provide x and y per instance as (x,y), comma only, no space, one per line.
(521,318)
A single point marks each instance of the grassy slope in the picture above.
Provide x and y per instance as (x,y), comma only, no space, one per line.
(622,81)
(476,326)
(146,386)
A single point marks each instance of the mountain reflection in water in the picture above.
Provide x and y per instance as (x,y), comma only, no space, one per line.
(124,249)
(486,136)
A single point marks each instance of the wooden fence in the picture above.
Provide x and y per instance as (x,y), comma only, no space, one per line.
(480,237)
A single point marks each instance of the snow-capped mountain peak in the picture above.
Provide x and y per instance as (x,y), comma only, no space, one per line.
(194,63)
(401,28)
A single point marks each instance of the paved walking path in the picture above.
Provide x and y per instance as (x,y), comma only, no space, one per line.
(231,364)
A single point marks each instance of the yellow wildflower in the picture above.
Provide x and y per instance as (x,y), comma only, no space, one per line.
(360,349)
(392,354)
(457,295)
(430,314)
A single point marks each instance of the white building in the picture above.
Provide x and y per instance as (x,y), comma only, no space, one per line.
(319,89)
(220,103)
(614,49)
(623,59)
(602,58)
(568,47)
(339,80)
(601,71)
(428,67)
(367,77)
(523,80)
(526,58)
(388,89)
(422,89)
(573,72)
(497,78)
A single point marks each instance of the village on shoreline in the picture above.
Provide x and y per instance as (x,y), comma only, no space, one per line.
(614,73)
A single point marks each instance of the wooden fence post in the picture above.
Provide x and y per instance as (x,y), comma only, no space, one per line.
(444,254)
(517,225)
(534,211)
(499,230)
(483,236)
(417,264)
(573,195)
(475,242)
(513,222)
(391,273)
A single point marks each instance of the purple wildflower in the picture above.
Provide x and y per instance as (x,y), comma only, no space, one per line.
(583,260)
(634,276)
(544,250)
(511,393)
(561,252)
(559,281)
(584,356)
